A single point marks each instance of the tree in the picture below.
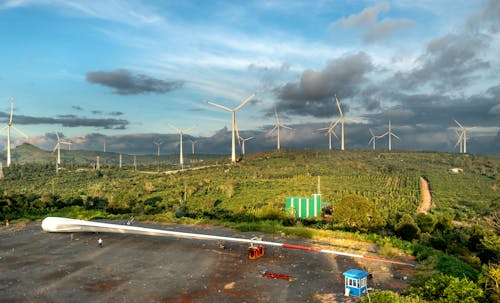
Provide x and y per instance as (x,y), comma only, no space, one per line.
(407,229)
(357,213)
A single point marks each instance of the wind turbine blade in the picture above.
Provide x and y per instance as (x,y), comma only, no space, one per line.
(55,147)
(385,134)
(324,128)
(244,102)
(57,135)
(371,132)
(249,138)
(338,105)
(220,106)
(395,136)
(276,117)
(287,127)
(335,124)
(353,120)
(237,131)
(371,140)
(333,133)
(4,127)
(458,124)
(174,128)
(186,130)
(272,130)
(19,132)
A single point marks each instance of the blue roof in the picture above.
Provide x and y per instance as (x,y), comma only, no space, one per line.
(355,273)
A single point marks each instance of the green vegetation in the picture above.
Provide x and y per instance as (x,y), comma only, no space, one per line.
(373,194)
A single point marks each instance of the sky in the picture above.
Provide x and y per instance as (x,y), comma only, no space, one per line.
(122,72)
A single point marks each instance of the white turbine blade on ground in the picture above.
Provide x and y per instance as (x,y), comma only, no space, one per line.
(219,106)
(19,132)
(244,102)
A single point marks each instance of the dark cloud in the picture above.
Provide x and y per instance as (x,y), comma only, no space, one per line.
(375,30)
(96,112)
(312,95)
(488,17)
(126,83)
(450,62)
(116,113)
(70,121)
(77,107)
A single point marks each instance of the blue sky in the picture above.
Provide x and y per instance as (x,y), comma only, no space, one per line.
(123,70)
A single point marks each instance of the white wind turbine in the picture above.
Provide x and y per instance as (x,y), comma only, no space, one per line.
(463,136)
(373,139)
(243,140)
(277,129)
(459,141)
(192,146)
(233,122)
(58,147)
(342,119)
(158,146)
(330,131)
(181,132)
(8,127)
(390,134)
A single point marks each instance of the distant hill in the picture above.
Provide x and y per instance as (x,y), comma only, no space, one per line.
(28,153)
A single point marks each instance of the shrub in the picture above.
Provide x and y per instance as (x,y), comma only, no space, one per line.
(407,229)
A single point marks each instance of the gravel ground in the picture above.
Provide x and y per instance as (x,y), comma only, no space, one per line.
(56,267)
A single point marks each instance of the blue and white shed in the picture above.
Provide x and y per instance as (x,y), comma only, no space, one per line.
(355,282)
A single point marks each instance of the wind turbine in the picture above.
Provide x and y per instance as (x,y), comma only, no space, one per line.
(58,147)
(8,127)
(330,131)
(104,145)
(390,134)
(233,122)
(192,145)
(158,146)
(342,119)
(460,141)
(464,136)
(181,132)
(373,138)
(277,128)
(243,143)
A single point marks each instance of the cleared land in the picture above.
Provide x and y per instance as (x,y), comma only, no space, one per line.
(51,267)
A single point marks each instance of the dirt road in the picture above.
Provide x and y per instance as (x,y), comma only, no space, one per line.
(54,267)
(426,196)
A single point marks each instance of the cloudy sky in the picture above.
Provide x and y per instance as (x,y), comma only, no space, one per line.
(121,71)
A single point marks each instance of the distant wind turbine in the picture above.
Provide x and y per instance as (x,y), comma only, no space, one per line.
(192,146)
(390,134)
(277,129)
(233,122)
(58,147)
(181,132)
(243,140)
(104,145)
(8,127)
(341,119)
(330,131)
(373,138)
(158,146)
(463,136)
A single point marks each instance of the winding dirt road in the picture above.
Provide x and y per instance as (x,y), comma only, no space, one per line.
(426,196)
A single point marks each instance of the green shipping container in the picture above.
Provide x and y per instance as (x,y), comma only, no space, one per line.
(304,207)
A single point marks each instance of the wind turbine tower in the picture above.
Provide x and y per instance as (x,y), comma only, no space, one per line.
(233,122)
(463,135)
(192,146)
(8,127)
(390,134)
(58,147)
(181,132)
(158,146)
(330,131)
(373,139)
(342,119)
(277,129)
(243,140)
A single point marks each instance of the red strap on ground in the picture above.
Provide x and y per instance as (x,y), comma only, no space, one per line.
(300,247)
(273,275)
